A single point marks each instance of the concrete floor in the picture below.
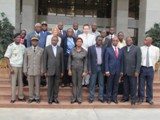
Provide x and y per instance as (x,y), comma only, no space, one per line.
(79,114)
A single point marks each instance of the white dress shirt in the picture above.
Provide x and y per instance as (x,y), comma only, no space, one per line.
(54,50)
(121,44)
(88,40)
(48,40)
(154,54)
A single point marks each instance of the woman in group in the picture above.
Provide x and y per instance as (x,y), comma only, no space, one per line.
(55,32)
(77,68)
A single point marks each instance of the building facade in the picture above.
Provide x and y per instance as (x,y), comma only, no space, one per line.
(133,17)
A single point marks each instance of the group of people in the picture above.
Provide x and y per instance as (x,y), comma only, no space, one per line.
(72,55)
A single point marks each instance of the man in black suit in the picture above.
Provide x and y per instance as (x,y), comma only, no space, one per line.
(132,63)
(53,69)
(62,33)
(96,68)
(76,31)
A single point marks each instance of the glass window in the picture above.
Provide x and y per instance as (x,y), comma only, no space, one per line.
(134,9)
(82,8)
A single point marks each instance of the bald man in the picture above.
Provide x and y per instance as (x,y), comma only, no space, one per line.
(113,70)
(38,32)
(150,55)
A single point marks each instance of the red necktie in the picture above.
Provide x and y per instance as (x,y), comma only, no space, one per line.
(116,52)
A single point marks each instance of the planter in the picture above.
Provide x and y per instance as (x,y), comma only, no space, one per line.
(4,71)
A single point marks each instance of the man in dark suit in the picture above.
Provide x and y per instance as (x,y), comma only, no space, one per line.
(96,68)
(76,31)
(132,63)
(53,69)
(113,70)
(62,33)
(108,40)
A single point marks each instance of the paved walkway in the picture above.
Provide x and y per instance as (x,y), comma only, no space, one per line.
(79,114)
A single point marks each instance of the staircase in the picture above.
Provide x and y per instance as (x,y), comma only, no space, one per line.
(64,98)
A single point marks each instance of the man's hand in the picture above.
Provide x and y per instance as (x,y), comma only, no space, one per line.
(45,74)
(69,72)
(107,74)
(121,74)
(83,74)
(136,74)
(61,74)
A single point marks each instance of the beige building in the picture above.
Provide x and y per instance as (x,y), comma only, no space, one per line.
(133,17)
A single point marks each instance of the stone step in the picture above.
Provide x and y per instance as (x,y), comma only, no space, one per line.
(66,104)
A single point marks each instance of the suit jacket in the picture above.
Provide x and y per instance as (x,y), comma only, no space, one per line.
(64,44)
(33,61)
(132,60)
(42,41)
(112,63)
(64,35)
(92,58)
(76,35)
(53,65)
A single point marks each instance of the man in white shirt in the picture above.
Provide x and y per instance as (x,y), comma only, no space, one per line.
(94,30)
(88,39)
(121,42)
(14,55)
(150,55)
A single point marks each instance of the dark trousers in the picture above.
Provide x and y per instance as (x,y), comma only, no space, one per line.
(53,87)
(129,87)
(146,76)
(77,84)
(98,74)
(112,86)
(66,78)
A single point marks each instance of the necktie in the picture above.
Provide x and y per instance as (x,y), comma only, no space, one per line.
(111,38)
(116,52)
(34,49)
(147,57)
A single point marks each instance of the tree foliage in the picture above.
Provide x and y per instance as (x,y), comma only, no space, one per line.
(154,32)
(6,33)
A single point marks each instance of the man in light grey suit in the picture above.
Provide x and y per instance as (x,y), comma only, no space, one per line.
(53,69)
(33,68)
(132,63)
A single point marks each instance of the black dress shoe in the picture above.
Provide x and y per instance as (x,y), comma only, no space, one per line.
(79,102)
(12,101)
(102,101)
(37,101)
(30,101)
(140,102)
(22,100)
(49,102)
(73,101)
(150,102)
(108,101)
(55,101)
(90,101)
(115,101)
(125,100)
(133,103)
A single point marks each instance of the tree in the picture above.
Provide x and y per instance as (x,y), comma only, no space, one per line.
(6,33)
(154,32)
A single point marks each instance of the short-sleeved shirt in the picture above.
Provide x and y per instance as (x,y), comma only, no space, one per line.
(15,54)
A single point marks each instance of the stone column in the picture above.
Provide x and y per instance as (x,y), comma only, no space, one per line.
(28,15)
(148,15)
(119,16)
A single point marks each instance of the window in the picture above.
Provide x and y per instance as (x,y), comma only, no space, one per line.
(81,8)
(134,9)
